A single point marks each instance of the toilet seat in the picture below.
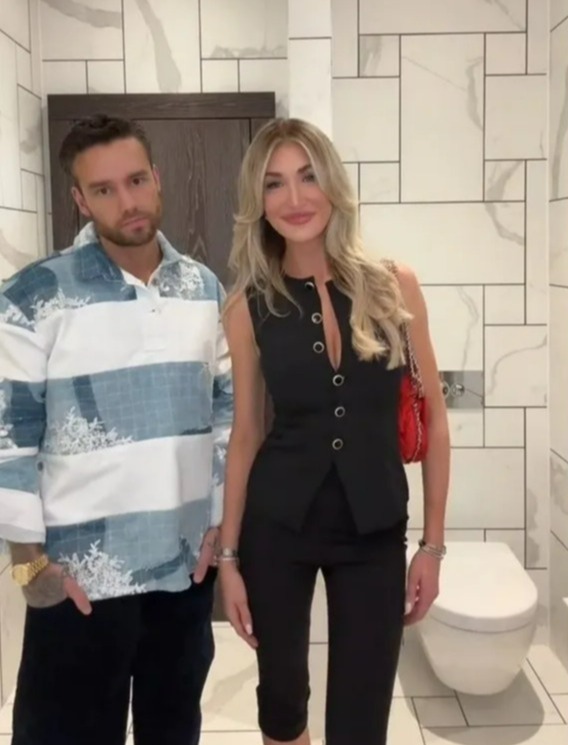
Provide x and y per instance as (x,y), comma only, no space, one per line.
(484,588)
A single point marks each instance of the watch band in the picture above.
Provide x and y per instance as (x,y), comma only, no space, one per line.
(23,574)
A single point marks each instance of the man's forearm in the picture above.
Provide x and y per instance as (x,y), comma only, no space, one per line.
(22,553)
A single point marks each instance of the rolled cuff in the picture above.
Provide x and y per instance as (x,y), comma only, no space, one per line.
(21,517)
(216,515)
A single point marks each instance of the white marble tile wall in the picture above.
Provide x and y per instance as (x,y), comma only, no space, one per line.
(440,110)
(309,61)
(22,226)
(22,210)
(156,46)
(558,338)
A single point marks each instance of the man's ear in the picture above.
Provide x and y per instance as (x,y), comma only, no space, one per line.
(157,176)
(79,199)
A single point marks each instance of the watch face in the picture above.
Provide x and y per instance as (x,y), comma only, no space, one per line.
(20,574)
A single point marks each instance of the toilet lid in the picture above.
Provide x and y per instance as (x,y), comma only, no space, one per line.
(483,587)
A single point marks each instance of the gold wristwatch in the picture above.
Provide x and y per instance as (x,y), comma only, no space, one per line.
(23,574)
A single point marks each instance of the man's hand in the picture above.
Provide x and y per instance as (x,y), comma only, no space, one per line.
(206,555)
(52,586)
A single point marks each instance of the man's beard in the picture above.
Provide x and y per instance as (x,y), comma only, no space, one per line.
(132,238)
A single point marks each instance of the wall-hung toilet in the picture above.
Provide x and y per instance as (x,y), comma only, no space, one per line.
(478,631)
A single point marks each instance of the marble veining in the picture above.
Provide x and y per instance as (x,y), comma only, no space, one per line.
(516,116)
(247,29)
(506,11)
(220,52)
(493,371)
(10,192)
(378,55)
(442,16)
(494,210)
(459,344)
(31,139)
(442,122)
(30,131)
(474,318)
(474,103)
(560,142)
(96,17)
(500,177)
(14,257)
(533,548)
(559,482)
(167,71)
(537,483)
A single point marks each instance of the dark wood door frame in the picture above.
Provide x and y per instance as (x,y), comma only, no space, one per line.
(163,105)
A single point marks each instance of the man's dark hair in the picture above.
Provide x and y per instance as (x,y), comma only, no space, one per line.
(99,129)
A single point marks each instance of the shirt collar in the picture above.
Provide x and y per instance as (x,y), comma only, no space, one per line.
(93,261)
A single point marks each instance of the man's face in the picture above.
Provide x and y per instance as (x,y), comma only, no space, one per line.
(117,188)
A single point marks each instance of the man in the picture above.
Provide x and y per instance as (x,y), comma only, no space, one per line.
(115,407)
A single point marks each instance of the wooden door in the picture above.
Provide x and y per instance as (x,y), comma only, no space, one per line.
(198,141)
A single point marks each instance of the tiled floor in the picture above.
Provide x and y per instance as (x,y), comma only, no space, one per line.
(534,711)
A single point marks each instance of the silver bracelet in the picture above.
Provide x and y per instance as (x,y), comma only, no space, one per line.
(227,554)
(438,552)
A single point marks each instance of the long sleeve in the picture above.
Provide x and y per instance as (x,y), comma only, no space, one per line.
(222,417)
(23,364)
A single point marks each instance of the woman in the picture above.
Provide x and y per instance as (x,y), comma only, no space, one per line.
(318,321)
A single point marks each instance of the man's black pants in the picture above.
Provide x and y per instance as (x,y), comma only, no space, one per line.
(76,673)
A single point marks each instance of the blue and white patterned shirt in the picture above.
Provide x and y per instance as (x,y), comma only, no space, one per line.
(115,410)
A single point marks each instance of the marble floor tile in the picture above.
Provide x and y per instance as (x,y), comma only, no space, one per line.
(550,671)
(545,735)
(439,711)
(525,702)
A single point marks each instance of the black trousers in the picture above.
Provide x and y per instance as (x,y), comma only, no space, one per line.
(365,579)
(76,673)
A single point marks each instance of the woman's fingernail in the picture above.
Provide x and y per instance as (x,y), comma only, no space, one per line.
(407,607)
(248,629)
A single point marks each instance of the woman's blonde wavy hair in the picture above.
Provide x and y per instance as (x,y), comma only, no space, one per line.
(257,251)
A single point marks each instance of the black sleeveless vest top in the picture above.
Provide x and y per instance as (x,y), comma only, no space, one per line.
(347,417)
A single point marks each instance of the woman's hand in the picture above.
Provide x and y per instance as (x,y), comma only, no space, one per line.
(422,586)
(235,601)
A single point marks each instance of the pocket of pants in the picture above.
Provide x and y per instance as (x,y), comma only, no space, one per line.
(62,605)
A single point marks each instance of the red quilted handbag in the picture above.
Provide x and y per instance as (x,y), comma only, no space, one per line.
(412,423)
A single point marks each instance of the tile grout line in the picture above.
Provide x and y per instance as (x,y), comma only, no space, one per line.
(525,480)
(200,44)
(462,709)
(545,689)
(527,32)
(418,722)
(525,242)
(123,45)
(558,24)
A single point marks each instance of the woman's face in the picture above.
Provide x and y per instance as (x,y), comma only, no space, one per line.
(294,204)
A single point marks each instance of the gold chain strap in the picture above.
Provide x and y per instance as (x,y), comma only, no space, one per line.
(413,368)
(412,363)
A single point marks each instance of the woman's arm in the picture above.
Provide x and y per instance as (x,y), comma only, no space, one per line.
(248,419)
(436,466)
